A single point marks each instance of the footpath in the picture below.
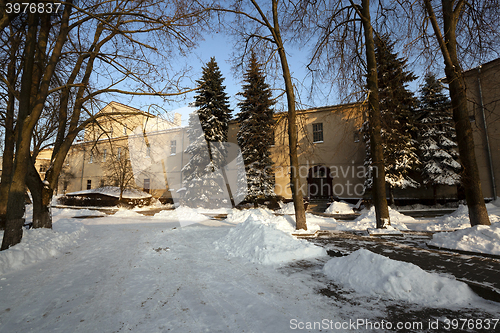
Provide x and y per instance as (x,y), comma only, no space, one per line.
(481,273)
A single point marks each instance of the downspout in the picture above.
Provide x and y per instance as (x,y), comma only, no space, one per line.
(83,166)
(485,126)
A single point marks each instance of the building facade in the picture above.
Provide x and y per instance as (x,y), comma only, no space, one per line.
(483,95)
(331,149)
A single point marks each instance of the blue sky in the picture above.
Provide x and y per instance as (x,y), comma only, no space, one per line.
(220,47)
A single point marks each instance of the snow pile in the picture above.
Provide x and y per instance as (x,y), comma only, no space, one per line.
(284,223)
(373,274)
(480,238)
(368,220)
(37,245)
(388,230)
(338,207)
(123,212)
(286,208)
(267,241)
(181,213)
(459,219)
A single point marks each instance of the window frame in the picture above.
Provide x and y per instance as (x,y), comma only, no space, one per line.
(317,132)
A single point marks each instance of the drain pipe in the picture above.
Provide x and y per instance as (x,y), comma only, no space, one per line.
(485,126)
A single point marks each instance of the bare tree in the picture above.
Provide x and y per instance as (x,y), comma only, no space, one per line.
(94,38)
(476,19)
(339,29)
(263,30)
(118,169)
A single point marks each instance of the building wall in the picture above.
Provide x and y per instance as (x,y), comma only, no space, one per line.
(483,93)
(340,152)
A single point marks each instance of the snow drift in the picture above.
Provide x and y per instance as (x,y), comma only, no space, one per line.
(480,238)
(339,208)
(37,245)
(266,239)
(373,274)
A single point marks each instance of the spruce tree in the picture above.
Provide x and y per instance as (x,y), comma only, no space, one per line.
(438,138)
(397,106)
(202,177)
(255,134)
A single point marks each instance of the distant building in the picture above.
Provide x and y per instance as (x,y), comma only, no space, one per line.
(331,149)
(483,94)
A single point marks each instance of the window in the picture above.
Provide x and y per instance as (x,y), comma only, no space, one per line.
(42,168)
(147,184)
(124,129)
(119,155)
(318,132)
(173,147)
(104,154)
(91,158)
(89,184)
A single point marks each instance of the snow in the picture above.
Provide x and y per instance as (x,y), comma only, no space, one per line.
(368,220)
(266,240)
(286,208)
(459,219)
(338,207)
(284,223)
(183,214)
(88,212)
(374,274)
(129,272)
(113,191)
(154,277)
(480,238)
(127,213)
(40,244)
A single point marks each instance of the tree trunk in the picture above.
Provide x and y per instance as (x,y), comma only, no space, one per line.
(16,201)
(41,195)
(374,119)
(470,174)
(9,139)
(298,200)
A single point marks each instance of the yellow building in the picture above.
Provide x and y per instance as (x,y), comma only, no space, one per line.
(330,152)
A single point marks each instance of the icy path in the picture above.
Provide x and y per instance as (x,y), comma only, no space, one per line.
(122,277)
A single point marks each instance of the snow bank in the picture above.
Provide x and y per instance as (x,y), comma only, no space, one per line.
(123,212)
(181,213)
(339,208)
(266,240)
(287,208)
(459,219)
(37,245)
(373,274)
(368,220)
(284,223)
(480,238)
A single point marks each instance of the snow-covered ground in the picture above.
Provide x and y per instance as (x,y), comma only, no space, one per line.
(247,273)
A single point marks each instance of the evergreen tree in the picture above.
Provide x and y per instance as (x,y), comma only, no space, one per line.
(202,177)
(438,139)
(397,106)
(255,134)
